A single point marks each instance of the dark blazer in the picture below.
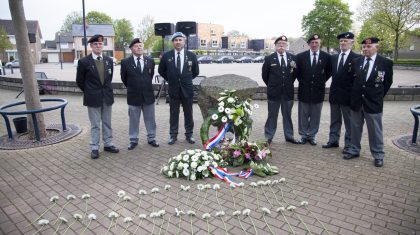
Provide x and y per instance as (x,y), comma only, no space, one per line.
(370,94)
(342,81)
(138,83)
(312,80)
(179,82)
(87,78)
(279,80)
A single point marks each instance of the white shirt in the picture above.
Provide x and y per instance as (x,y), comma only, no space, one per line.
(95,57)
(371,63)
(181,55)
(284,56)
(312,56)
(346,54)
(141,61)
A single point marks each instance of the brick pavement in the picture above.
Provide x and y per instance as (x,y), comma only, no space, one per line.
(348,197)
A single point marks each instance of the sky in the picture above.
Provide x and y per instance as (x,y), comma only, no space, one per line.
(257,19)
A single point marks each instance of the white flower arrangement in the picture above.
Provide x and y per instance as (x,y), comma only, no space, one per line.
(85,196)
(63,220)
(71,197)
(43,222)
(77,216)
(280,209)
(121,193)
(142,216)
(54,198)
(127,198)
(291,208)
(265,210)
(282,180)
(190,212)
(236,213)
(92,216)
(185,188)
(206,216)
(128,220)
(167,187)
(191,164)
(246,212)
(113,214)
(155,190)
(216,186)
(220,213)
(142,192)
(178,213)
(304,203)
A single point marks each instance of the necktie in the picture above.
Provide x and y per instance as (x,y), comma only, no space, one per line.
(314,60)
(341,63)
(283,63)
(138,63)
(366,68)
(98,58)
(178,62)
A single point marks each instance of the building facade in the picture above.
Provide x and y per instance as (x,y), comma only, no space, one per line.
(107,30)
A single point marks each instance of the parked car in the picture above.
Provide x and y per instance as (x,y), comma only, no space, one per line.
(258,59)
(14,64)
(205,60)
(244,59)
(225,59)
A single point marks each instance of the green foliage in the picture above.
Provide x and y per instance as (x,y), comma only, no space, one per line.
(96,17)
(72,18)
(4,41)
(408,62)
(371,29)
(157,45)
(146,32)
(123,33)
(93,17)
(328,19)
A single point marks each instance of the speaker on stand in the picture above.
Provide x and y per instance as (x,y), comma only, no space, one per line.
(187,27)
(164,29)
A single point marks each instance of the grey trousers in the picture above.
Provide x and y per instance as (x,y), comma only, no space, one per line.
(273,113)
(374,127)
(309,118)
(134,113)
(96,116)
(338,114)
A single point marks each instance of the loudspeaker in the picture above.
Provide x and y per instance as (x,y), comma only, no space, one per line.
(186,27)
(163,29)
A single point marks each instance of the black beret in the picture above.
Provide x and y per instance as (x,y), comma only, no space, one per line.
(281,38)
(370,40)
(313,37)
(96,38)
(347,35)
(134,41)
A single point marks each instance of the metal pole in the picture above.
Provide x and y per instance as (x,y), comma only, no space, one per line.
(84,27)
(61,54)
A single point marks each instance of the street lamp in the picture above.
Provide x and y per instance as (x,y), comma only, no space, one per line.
(59,45)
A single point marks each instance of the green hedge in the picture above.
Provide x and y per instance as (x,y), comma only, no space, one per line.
(414,62)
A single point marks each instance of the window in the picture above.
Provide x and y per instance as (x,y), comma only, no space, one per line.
(214,43)
(203,43)
(412,47)
(232,45)
(105,41)
(12,39)
(64,45)
(243,44)
(212,32)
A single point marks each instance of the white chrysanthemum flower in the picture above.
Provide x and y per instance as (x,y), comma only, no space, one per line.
(127,198)
(128,220)
(221,104)
(231,100)
(186,172)
(178,158)
(85,196)
(77,216)
(230,116)
(207,186)
(185,165)
(71,197)
(190,151)
(167,187)
(246,212)
(54,198)
(206,216)
(121,193)
(170,173)
(154,215)
(304,203)
(194,165)
(241,184)
(220,213)
(186,188)
(260,182)
(280,209)
(165,168)
(281,180)
(199,168)
(194,158)
(190,212)
(63,220)
(142,216)
(92,216)
(142,192)
(232,185)
(216,186)
(236,213)
(228,110)
(161,212)
(220,109)
(256,106)
(253,184)
(214,117)
(265,210)
(113,214)
(291,208)
(155,190)
(224,119)
(186,157)
(274,182)
(43,222)
(193,177)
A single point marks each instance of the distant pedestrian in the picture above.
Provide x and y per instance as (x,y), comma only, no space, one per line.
(179,67)
(137,74)
(373,78)
(279,74)
(94,77)
(313,71)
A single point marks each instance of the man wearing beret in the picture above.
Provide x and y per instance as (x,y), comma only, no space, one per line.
(179,67)
(373,78)
(94,77)
(137,74)
(313,70)
(279,74)
(340,91)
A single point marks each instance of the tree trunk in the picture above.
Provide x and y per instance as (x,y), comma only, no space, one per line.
(27,69)
(397,37)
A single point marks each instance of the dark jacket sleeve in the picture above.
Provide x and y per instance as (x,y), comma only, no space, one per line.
(388,76)
(153,67)
(195,68)
(265,70)
(123,72)
(163,67)
(80,75)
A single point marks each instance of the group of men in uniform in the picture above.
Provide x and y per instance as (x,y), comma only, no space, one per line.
(359,84)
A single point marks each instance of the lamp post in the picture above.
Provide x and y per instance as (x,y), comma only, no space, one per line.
(84,26)
(59,45)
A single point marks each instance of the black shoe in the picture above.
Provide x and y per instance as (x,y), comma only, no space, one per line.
(349,156)
(345,151)
(111,149)
(293,141)
(190,140)
(312,141)
(94,154)
(379,162)
(330,145)
(154,143)
(171,141)
(132,145)
(302,141)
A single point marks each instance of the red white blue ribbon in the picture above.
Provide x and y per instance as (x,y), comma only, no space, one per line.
(211,143)
(226,176)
